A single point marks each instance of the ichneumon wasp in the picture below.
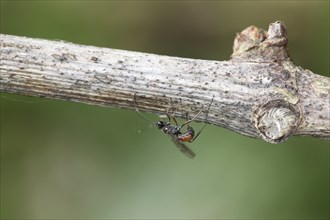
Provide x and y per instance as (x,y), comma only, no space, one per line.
(174,131)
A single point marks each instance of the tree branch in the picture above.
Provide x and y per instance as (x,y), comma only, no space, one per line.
(258,93)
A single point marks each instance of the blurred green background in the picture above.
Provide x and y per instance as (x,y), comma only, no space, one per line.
(69,160)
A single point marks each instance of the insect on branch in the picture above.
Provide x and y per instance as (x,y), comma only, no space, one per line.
(259,92)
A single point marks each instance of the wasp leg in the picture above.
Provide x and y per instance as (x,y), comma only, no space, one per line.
(207,115)
(188,121)
(174,112)
(176,123)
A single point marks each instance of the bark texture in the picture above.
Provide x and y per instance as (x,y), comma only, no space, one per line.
(259,92)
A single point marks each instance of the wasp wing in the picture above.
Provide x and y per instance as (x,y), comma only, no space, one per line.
(182,147)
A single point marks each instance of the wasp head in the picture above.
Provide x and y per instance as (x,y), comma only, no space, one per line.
(160,124)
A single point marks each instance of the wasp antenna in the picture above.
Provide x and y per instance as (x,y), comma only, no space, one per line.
(137,111)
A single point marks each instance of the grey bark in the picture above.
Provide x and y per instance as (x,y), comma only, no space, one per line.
(259,92)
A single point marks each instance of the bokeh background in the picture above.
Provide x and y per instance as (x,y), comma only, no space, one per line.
(70,160)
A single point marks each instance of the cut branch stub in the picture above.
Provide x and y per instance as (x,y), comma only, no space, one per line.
(255,44)
(276,120)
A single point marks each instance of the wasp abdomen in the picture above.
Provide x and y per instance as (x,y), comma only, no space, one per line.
(187,136)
